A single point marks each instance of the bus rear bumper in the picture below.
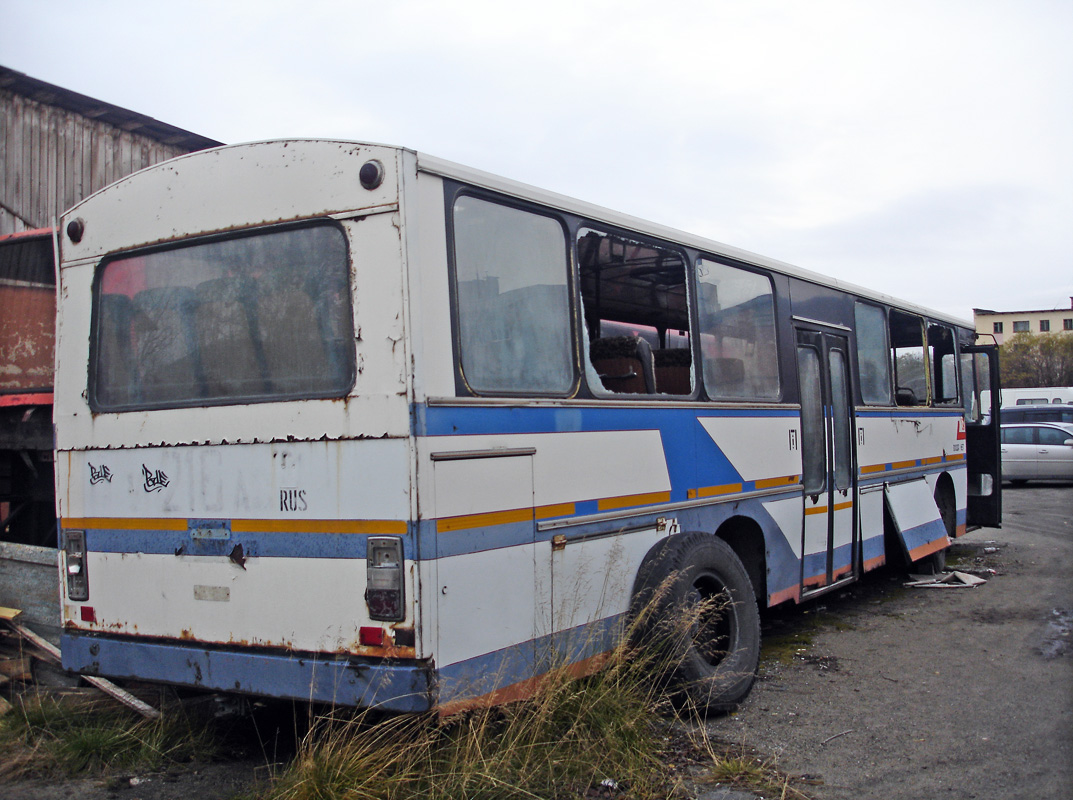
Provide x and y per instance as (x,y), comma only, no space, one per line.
(406,687)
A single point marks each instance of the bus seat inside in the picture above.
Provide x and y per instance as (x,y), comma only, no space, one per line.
(624,364)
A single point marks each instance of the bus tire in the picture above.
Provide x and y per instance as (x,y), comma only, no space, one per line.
(696,615)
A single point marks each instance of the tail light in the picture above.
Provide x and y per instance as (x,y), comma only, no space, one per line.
(74,549)
(385,594)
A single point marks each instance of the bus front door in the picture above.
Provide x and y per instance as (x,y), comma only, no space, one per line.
(827,454)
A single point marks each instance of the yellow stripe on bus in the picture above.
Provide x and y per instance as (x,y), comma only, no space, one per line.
(771,483)
(625,501)
(467,521)
(125,523)
(556,510)
(396,526)
(243,525)
(714,491)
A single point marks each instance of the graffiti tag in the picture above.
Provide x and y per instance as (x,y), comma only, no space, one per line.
(155,480)
(99,474)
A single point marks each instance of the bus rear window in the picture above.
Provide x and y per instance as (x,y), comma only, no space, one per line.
(253,318)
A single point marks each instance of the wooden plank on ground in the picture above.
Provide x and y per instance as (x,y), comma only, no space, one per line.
(53,654)
(9,614)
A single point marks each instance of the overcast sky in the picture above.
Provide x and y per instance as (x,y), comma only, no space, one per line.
(923,149)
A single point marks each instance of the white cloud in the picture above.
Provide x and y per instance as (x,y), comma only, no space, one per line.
(918,147)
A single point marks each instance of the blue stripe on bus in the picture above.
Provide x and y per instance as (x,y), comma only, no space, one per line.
(374,683)
(254,545)
(471,420)
(873,548)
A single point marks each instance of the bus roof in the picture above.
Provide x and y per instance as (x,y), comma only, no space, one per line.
(517,189)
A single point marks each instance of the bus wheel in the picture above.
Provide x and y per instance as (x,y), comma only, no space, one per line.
(696,614)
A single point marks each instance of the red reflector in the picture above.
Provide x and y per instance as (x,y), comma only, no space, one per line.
(371,637)
(88,614)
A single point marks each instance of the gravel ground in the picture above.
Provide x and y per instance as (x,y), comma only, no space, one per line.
(912,693)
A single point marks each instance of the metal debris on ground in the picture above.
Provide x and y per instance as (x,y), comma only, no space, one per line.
(945,580)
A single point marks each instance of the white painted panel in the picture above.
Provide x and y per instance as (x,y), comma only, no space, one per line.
(594,579)
(478,485)
(758,447)
(870,513)
(569,467)
(816,526)
(295,480)
(787,515)
(303,603)
(912,504)
(249,184)
(895,439)
(486,602)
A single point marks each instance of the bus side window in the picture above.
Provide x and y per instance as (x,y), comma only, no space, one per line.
(510,271)
(737,332)
(873,354)
(910,359)
(636,314)
(943,359)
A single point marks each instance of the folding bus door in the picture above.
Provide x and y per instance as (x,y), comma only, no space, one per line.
(828,457)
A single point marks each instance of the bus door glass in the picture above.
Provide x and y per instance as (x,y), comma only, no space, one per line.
(980,379)
(827,458)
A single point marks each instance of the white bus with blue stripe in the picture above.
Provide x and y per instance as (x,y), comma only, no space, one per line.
(345,423)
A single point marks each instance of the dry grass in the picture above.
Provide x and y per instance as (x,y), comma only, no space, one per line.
(46,735)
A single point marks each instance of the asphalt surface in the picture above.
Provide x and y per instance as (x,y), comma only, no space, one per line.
(892,692)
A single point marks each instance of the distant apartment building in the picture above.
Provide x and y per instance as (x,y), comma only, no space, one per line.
(1003,324)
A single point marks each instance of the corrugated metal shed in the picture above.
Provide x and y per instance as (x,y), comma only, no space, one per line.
(58,147)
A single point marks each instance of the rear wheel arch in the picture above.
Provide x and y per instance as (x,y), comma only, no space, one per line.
(746,538)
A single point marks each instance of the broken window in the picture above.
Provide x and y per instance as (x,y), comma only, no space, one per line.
(942,356)
(910,365)
(636,315)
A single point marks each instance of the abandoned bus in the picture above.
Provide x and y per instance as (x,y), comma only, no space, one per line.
(342,422)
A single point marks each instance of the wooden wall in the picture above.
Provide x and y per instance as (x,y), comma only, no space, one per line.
(52,157)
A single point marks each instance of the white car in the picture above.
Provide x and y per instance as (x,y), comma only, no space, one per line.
(1037,451)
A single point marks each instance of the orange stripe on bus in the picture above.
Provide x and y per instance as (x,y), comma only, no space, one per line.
(556,510)
(715,491)
(468,521)
(873,468)
(872,563)
(125,523)
(244,525)
(843,506)
(319,526)
(816,510)
(625,501)
(918,553)
(932,460)
(769,483)
(903,464)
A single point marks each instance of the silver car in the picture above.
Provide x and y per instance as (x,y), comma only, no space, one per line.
(1037,451)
